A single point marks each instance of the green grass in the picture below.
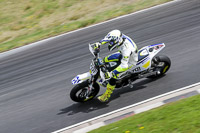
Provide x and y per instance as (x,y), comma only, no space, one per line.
(23,22)
(179,117)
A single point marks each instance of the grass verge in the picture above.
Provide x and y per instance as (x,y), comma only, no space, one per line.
(23,22)
(179,117)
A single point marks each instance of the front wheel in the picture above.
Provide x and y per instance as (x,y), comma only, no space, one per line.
(79,92)
(163,64)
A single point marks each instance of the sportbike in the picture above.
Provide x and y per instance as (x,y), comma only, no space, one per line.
(149,65)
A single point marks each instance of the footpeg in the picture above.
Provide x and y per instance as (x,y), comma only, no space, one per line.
(130,83)
(158,73)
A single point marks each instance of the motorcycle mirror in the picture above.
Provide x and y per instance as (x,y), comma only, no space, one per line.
(91,50)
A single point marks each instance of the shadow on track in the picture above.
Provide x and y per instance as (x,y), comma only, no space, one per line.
(83,107)
(96,104)
(136,86)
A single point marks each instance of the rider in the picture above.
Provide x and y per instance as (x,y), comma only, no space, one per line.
(127,54)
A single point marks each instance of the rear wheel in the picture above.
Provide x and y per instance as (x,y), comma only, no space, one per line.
(162,64)
(79,92)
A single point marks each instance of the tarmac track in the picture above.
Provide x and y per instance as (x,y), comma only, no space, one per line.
(35,83)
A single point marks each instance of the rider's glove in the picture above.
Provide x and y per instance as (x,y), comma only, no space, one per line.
(96,47)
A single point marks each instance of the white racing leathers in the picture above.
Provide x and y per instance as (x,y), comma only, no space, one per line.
(129,53)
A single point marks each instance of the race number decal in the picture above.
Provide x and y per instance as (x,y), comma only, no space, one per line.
(75,80)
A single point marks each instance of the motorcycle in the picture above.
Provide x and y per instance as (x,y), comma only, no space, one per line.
(149,65)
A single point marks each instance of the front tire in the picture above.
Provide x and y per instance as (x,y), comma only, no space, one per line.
(78,92)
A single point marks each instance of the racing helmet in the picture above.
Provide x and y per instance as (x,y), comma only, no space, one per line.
(114,39)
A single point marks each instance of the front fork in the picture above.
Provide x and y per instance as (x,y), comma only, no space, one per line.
(91,81)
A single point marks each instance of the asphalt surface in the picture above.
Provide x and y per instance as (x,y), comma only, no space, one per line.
(35,83)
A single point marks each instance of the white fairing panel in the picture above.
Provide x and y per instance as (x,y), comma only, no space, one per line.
(145,56)
(154,49)
(80,78)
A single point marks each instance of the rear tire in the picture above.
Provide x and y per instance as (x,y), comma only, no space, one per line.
(78,92)
(163,64)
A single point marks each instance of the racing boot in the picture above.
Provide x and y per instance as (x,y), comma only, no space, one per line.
(105,97)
